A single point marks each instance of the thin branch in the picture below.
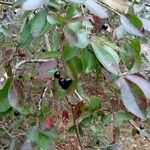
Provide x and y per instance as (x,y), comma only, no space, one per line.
(6,3)
(29,61)
(78,95)
(75,125)
(2,127)
(46,39)
(42,97)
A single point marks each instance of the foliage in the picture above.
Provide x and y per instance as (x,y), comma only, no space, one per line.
(79,39)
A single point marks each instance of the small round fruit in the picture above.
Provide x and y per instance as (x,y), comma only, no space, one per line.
(65,83)
(141,127)
(68,81)
(104,27)
(16,113)
(62,83)
(57,74)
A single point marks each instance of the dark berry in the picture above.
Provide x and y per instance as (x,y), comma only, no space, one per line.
(4,10)
(43,50)
(16,113)
(68,81)
(104,27)
(142,30)
(141,127)
(62,83)
(65,83)
(57,74)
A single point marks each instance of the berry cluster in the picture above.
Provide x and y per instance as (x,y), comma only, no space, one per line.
(63,82)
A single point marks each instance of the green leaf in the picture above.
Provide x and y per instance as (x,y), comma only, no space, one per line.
(121,117)
(135,20)
(72,70)
(136,46)
(24,110)
(51,20)
(71,129)
(4,104)
(89,61)
(33,134)
(78,64)
(107,119)
(95,103)
(69,52)
(55,40)
(80,130)
(106,58)
(75,26)
(25,34)
(78,39)
(45,28)
(137,65)
(43,141)
(52,133)
(70,10)
(85,122)
(51,54)
(38,23)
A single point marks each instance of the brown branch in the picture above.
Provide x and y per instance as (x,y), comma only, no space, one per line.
(29,61)
(75,125)
(6,3)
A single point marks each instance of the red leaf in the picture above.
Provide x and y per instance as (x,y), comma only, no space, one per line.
(65,117)
(49,122)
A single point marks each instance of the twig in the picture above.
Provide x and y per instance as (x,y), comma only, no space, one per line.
(6,3)
(29,61)
(75,125)
(111,9)
(42,96)
(2,127)
(47,42)
(78,95)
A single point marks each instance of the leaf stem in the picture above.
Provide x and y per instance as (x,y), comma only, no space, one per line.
(75,125)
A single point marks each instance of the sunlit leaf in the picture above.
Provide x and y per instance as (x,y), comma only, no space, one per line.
(33,134)
(96,8)
(121,117)
(135,20)
(32,5)
(146,24)
(143,84)
(119,32)
(38,23)
(106,58)
(4,104)
(129,27)
(129,100)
